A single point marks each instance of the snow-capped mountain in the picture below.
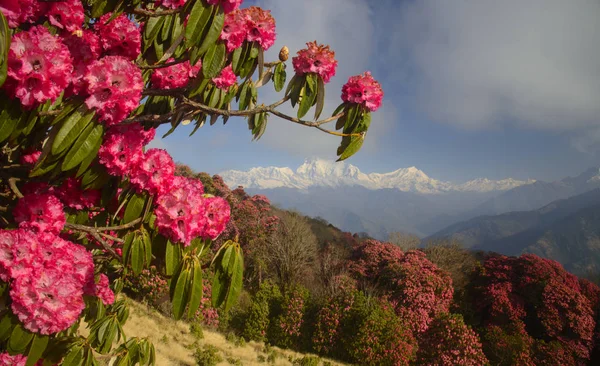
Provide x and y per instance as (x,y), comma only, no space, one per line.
(323,173)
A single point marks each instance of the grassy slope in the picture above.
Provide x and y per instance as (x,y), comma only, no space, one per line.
(175,344)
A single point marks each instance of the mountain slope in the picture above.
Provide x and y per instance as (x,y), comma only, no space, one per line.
(322,173)
(533,196)
(489,232)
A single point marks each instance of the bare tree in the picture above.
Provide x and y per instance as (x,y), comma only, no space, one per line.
(291,249)
(404,241)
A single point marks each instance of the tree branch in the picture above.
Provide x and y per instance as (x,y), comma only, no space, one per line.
(96,234)
(156,13)
(12,182)
(167,64)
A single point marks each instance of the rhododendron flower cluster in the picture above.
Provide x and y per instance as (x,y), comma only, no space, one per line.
(175,76)
(228,5)
(171,4)
(317,59)
(251,24)
(363,90)
(71,195)
(66,15)
(154,172)
(48,277)
(525,292)
(119,37)
(30,158)
(84,49)
(16,360)
(122,149)
(22,11)
(225,79)
(39,66)
(449,342)
(115,87)
(40,213)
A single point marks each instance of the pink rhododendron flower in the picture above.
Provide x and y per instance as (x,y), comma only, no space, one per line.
(103,291)
(216,214)
(171,4)
(48,277)
(120,37)
(30,158)
(16,360)
(228,5)
(71,195)
(40,213)
(67,14)
(18,250)
(261,26)
(234,30)
(175,76)
(115,87)
(155,172)
(225,79)
(39,66)
(363,90)
(122,148)
(318,59)
(84,50)
(21,11)
(179,212)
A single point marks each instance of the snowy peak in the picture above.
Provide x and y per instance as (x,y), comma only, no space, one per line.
(323,173)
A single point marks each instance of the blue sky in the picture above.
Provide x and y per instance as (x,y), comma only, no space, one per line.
(474,88)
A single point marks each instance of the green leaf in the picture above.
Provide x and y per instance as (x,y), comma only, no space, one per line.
(38,346)
(127,246)
(214,31)
(180,293)
(214,98)
(147,241)
(9,118)
(244,96)
(196,288)
(83,147)
(152,27)
(279,77)
(218,288)
(166,28)
(351,148)
(224,263)
(172,257)
(197,22)
(4,47)
(236,58)
(308,98)
(6,326)
(353,113)
(320,97)
(137,255)
(19,339)
(134,208)
(71,129)
(235,287)
(74,357)
(213,60)
(261,61)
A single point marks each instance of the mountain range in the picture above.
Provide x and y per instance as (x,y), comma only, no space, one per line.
(405,200)
(323,173)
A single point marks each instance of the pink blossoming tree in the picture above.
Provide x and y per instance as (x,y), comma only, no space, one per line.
(83,203)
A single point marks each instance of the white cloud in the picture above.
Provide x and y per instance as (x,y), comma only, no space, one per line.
(347,26)
(477,63)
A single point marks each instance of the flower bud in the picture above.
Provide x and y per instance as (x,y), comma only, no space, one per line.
(284,54)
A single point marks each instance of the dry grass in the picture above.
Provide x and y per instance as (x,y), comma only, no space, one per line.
(175,344)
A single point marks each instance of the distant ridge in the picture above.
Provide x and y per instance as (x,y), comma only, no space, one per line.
(323,173)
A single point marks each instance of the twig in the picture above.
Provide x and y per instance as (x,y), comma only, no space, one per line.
(224,112)
(96,234)
(120,227)
(49,113)
(316,124)
(166,64)
(156,13)
(12,182)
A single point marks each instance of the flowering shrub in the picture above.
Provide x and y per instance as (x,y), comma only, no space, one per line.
(417,288)
(285,330)
(149,286)
(84,204)
(448,341)
(260,312)
(535,304)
